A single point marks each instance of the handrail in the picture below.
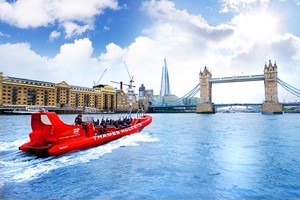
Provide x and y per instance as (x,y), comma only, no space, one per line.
(139,113)
(129,112)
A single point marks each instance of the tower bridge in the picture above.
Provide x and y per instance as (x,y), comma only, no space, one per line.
(271,103)
(193,107)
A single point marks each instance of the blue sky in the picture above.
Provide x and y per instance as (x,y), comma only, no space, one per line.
(75,41)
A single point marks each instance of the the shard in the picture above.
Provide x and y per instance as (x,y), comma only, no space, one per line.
(165,84)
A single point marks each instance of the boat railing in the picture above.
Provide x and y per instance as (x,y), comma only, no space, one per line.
(129,112)
(140,113)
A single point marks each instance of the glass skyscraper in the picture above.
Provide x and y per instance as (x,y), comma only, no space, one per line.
(165,84)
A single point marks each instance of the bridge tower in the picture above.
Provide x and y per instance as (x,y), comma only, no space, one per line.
(205,105)
(271,104)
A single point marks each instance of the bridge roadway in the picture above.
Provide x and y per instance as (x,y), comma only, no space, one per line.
(220,105)
(231,79)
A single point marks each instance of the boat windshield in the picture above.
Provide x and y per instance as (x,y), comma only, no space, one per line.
(45,119)
(88,119)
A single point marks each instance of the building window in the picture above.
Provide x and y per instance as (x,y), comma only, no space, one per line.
(31,97)
(14,95)
(76,100)
(96,101)
(112,102)
(58,95)
(105,101)
(67,96)
(46,97)
(86,100)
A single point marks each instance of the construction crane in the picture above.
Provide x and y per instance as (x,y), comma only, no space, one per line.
(130,86)
(121,84)
(100,78)
(130,77)
(130,91)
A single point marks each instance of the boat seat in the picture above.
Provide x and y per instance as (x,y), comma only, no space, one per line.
(111,129)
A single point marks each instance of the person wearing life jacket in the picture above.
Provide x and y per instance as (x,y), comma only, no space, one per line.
(78,119)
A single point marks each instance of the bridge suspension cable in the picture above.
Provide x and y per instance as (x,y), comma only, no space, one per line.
(191,93)
(180,100)
(289,88)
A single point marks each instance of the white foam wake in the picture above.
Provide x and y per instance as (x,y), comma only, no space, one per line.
(24,168)
(6,146)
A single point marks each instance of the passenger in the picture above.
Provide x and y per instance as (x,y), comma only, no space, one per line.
(96,123)
(117,123)
(104,125)
(78,119)
(111,122)
(129,120)
(124,122)
(102,121)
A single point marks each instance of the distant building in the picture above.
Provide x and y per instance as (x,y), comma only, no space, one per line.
(23,92)
(169,98)
(191,101)
(165,83)
(122,103)
(156,99)
(142,91)
(145,97)
(123,100)
(107,98)
(165,96)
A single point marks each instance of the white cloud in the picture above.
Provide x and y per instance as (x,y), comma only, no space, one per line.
(188,43)
(75,15)
(4,35)
(114,54)
(74,63)
(240,5)
(106,28)
(72,29)
(26,14)
(74,52)
(54,35)
(174,20)
(19,60)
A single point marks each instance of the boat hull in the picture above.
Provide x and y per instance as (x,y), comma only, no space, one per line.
(51,137)
(94,140)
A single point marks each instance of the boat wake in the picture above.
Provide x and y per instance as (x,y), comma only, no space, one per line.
(19,167)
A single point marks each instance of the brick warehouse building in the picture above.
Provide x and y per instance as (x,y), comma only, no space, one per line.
(16,92)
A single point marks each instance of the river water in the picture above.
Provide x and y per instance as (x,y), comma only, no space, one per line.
(178,156)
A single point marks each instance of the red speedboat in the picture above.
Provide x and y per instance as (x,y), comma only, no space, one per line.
(50,136)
